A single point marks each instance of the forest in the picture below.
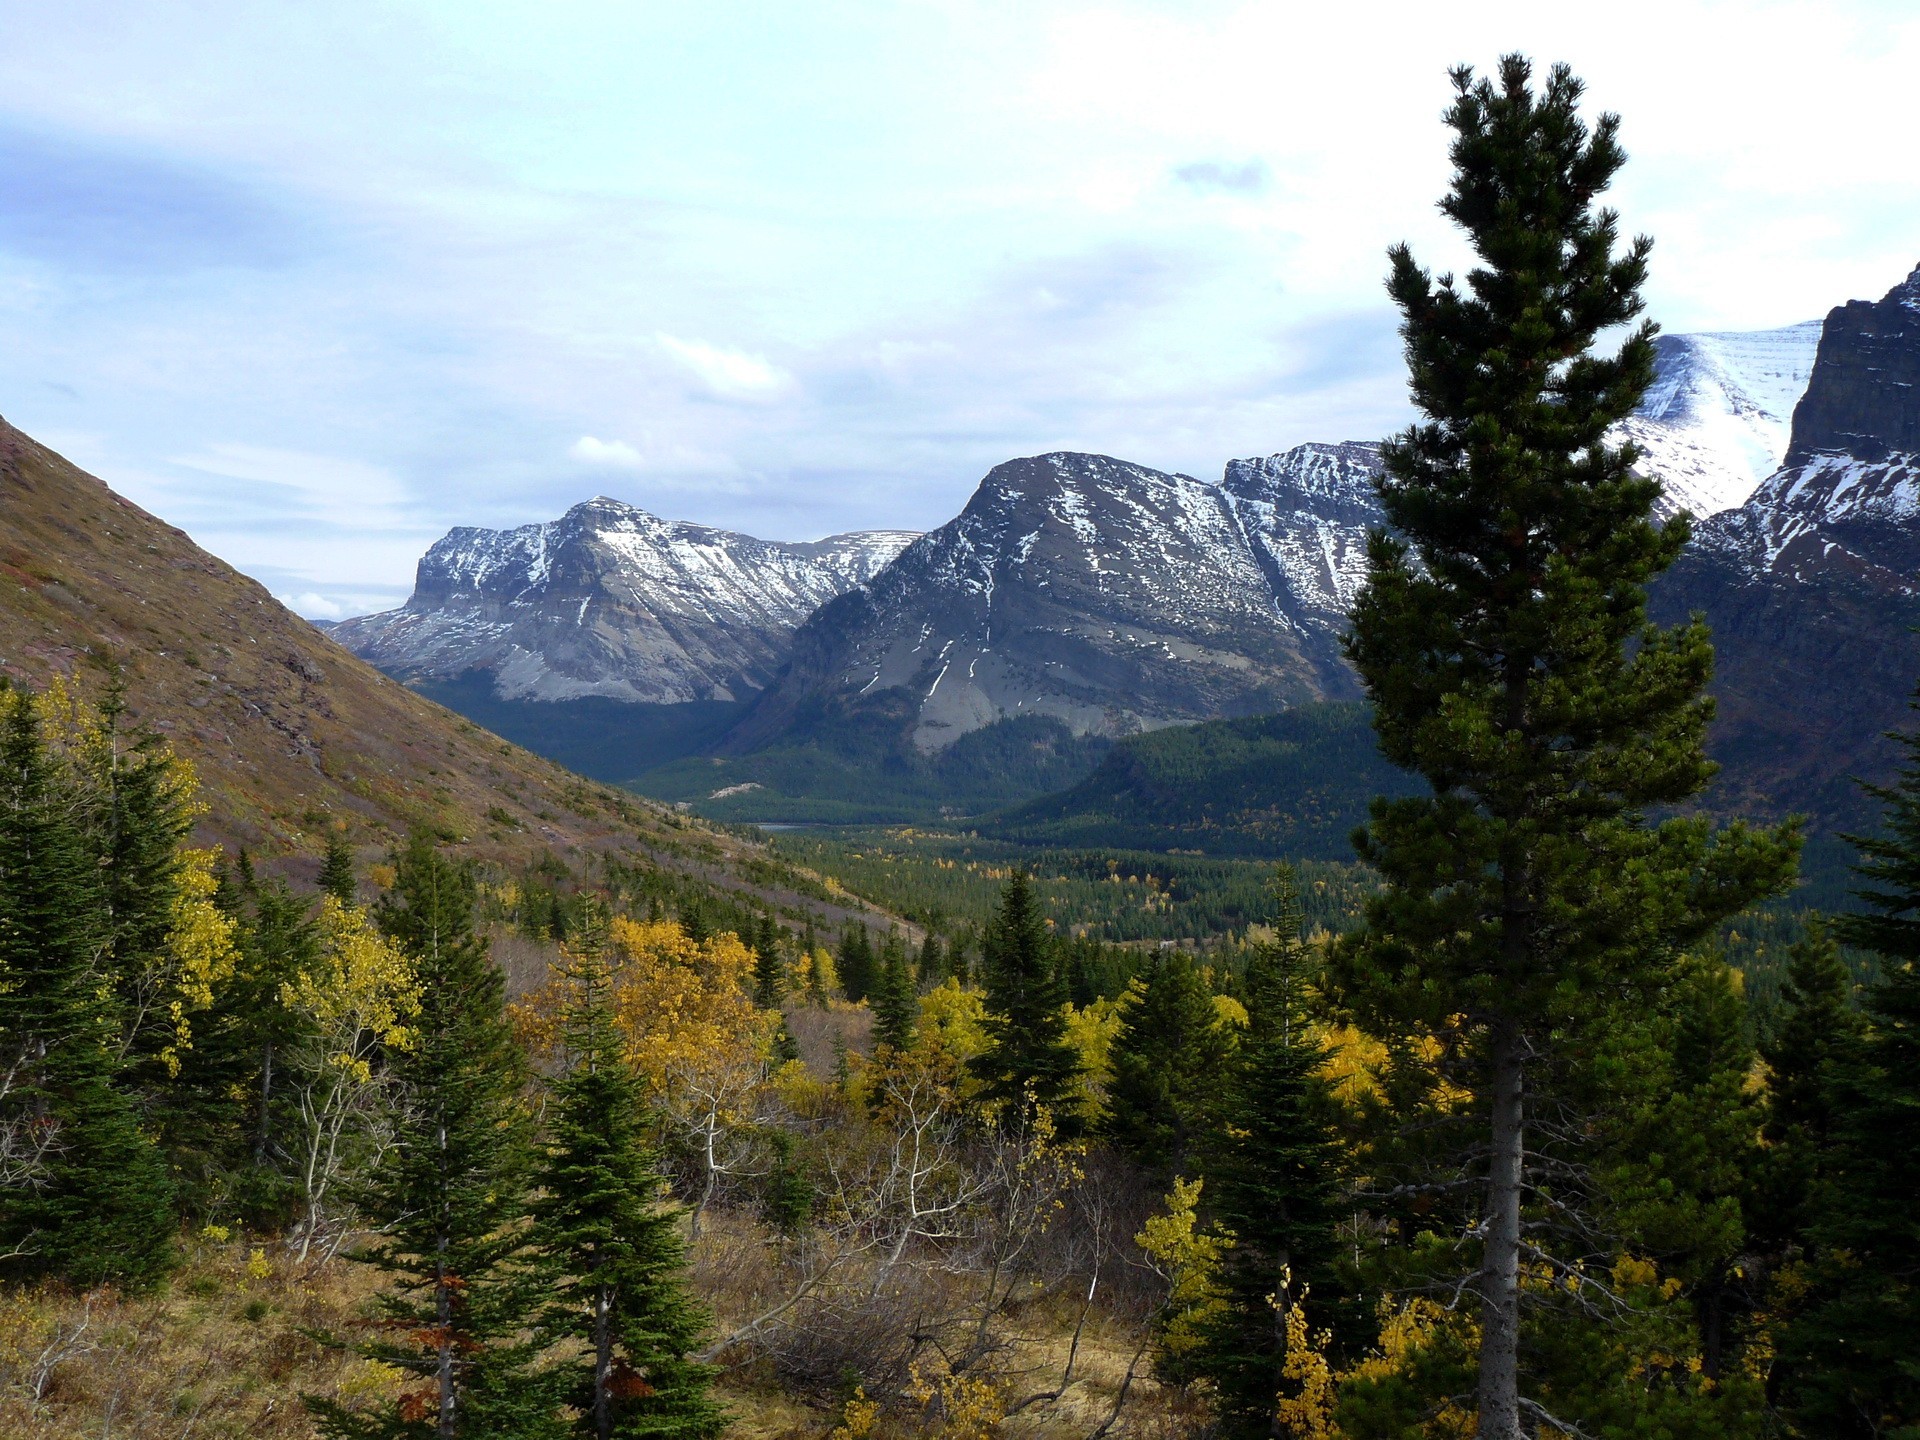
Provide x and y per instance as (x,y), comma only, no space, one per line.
(1479,1134)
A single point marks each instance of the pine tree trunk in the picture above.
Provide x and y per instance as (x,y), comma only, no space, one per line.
(1499,1284)
(603,1363)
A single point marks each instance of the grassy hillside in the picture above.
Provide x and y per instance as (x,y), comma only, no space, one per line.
(290,733)
(1293,784)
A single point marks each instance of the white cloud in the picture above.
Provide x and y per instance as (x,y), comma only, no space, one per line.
(609,454)
(729,374)
(314,607)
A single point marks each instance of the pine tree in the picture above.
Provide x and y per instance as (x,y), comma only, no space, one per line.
(141,818)
(896,1007)
(1816,1046)
(855,963)
(1275,1179)
(1502,636)
(1168,1056)
(610,1244)
(932,964)
(1027,1060)
(1850,1359)
(769,966)
(336,869)
(230,1111)
(88,1199)
(448,1199)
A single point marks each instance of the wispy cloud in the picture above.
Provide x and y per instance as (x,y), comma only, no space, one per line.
(607,454)
(729,374)
(1247,177)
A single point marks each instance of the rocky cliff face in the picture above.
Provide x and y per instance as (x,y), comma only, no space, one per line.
(1108,596)
(610,600)
(1863,399)
(1813,585)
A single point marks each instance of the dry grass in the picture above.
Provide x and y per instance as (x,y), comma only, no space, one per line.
(816,1030)
(226,1351)
(222,1352)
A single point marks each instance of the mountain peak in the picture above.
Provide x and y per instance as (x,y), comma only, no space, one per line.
(1860,397)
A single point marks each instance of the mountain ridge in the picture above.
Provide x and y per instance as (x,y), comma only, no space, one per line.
(610,600)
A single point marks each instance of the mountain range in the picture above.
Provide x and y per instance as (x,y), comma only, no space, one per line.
(1086,596)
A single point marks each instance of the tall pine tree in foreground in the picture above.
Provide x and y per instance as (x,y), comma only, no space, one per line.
(610,1244)
(84,1194)
(449,1200)
(1274,1178)
(1502,636)
(1027,1061)
(1853,1362)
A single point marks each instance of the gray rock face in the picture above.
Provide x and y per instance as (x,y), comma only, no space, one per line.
(1864,397)
(1111,597)
(610,600)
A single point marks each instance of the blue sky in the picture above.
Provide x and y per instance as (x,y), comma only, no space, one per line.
(317,282)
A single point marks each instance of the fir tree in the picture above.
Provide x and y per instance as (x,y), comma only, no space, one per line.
(88,1199)
(448,1199)
(1850,1360)
(1027,1060)
(1274,1176)
(789,1198)
(610,1245)
(769,966)
(896,1007)
(1168,1056)
(932,964)
(855,963)
(336,869)
(1815,1047)
(227,1116)
(1502,636)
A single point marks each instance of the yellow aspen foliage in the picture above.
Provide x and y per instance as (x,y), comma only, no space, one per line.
(1409,1331)
(1090,1031)
(200,951)
(1189,1260)
(359,992)
(963,1407)
(859,1417)
(1306,1407)
(954,1018)
(1230,1011)
(814,973)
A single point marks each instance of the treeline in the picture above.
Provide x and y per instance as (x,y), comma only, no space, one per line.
(1293,784)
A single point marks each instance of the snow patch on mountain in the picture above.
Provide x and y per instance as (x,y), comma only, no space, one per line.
(1718,416)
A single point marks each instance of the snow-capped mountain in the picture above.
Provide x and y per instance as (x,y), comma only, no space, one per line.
(610,600)
(1813,585)
(1716,420)
(1108,596)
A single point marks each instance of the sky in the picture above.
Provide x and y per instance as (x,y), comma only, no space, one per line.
(318,282)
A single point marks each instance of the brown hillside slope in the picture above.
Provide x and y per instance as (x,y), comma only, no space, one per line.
(289,732)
